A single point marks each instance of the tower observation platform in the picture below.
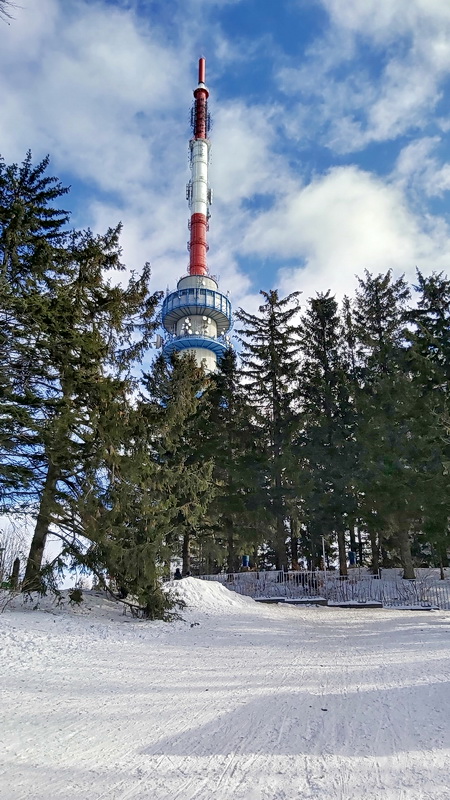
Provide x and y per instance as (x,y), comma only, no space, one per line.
(197,316)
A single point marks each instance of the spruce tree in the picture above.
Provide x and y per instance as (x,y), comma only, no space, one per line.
(147,497)
(32,232)
(269,356)
(176,393)
(88,328)
(387,477)
(429,361)
(326,448)
(230,438)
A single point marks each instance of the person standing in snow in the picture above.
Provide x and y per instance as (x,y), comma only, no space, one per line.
(178,575)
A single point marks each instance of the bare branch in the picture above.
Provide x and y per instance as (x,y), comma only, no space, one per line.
(5,5)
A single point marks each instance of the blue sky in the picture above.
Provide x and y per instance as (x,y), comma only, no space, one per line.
(330,138)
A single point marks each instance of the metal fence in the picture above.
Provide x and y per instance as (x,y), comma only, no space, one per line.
(360,587)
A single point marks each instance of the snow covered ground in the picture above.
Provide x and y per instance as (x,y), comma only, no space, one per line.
(254,702)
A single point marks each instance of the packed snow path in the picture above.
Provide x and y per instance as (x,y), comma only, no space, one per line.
(253,703)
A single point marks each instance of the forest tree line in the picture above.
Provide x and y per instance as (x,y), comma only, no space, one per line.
(332,426)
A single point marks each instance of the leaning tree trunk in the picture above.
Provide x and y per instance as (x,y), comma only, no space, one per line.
(32,581)
(404,544)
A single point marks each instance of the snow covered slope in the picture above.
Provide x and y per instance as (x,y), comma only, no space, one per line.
(251,703)
(210,596)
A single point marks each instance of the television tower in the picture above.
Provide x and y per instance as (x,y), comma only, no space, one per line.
(197,316)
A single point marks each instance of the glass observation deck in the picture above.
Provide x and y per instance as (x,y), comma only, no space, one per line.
(197,302)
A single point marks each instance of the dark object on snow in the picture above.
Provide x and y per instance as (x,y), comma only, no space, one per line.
(76,595)
(195,624)
(178,575)
(122,592)
(14,579)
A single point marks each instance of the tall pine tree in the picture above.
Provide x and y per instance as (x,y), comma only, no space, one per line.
(429,361)
(387,477)
(230,439)
(326,439)
(88,328)
(269,355)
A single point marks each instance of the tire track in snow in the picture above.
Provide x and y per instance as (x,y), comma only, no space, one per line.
(236,766)
(228,770)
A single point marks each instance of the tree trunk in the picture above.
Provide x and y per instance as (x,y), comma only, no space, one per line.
(342,554)
(352,529)
(186,570)
(281,555)
(32,581)
(405,554)
(360,547)
(294,542)
(386,561)
(375,552)
(315,549)
(232,556)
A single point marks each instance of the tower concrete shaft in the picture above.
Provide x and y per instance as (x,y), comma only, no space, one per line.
(199,194)
(197,316)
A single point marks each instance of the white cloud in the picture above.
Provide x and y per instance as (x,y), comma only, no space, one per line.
(419,171)
(101,89)
(243,139)
(339,225)
(410,40)
(385,19)
(89,84)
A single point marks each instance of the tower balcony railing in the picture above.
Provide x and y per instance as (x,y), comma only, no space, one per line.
(194,341)
(174,337)
(197,301)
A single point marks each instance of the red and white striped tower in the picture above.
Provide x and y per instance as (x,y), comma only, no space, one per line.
(197,316)
(199,194)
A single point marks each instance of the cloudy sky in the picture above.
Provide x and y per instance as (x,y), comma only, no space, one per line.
(330,138)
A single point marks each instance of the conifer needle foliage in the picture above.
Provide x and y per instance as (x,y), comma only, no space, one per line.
(330,429)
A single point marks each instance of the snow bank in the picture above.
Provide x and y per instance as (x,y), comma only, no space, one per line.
(198,595)
(94,604)
(210,596)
